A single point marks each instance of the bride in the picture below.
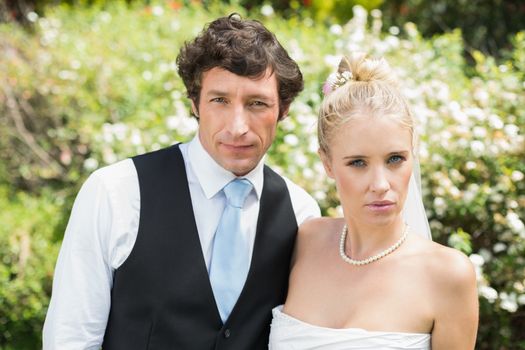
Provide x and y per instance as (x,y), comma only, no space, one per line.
(369,280)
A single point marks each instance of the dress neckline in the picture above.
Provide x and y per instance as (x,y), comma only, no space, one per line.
(278,313)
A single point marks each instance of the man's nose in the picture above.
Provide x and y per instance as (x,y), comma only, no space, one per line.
(238,121)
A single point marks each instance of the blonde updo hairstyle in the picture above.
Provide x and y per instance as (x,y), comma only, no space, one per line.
(370,90)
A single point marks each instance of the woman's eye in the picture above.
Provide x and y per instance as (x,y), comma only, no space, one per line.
(396,159)
(358,163)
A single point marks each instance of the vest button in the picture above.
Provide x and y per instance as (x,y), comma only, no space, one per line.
(227,333)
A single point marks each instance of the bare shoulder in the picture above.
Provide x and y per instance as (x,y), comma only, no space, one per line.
(319,225)
(449,268)
(313,232)
(317,228)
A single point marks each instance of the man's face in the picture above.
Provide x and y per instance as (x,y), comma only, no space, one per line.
(237,118)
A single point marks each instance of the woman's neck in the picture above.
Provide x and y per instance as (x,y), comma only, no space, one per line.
(364,240)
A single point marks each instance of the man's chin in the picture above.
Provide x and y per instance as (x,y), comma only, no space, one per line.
(241,167)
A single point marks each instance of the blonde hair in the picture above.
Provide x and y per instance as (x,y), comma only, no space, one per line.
(369,89)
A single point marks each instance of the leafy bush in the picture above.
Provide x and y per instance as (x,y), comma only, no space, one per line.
(28,248)
(92,86)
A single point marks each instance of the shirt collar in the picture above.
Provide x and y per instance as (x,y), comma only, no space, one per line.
(212,177)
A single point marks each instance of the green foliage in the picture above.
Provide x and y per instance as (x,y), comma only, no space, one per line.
(487,25)
(94,85)
(338,10)
(28,251)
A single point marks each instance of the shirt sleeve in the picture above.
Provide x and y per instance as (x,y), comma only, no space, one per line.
(305,207)
(80,301)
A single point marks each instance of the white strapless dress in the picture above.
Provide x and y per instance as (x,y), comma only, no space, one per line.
(289,333)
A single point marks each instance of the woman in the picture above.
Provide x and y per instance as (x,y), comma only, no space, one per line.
(368,281)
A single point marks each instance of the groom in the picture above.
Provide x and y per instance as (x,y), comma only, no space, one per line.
(189,247)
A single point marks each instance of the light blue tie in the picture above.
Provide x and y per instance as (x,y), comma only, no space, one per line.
(230,256)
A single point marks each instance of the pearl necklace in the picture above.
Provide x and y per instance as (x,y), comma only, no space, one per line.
(371,259)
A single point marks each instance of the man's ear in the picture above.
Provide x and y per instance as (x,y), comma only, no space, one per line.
(194,109)
(284,113)
(327,163)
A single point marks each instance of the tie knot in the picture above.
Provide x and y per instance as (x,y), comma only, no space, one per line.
(236,192)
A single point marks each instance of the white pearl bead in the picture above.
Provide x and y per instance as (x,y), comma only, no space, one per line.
(378,256)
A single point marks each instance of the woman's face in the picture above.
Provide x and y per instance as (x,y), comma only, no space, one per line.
(371,162)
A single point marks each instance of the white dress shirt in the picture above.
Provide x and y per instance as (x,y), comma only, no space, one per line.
(103,227)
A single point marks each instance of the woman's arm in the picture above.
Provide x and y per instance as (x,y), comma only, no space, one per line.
(456,302)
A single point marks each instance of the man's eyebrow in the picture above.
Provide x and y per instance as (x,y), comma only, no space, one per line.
(216,92)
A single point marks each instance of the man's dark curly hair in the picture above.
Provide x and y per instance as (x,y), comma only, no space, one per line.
(243,47)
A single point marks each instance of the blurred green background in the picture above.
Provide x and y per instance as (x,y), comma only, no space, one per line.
(86,83)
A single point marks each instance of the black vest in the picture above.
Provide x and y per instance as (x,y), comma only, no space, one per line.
(162,297)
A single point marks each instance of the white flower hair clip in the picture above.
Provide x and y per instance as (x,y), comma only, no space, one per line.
(336,80)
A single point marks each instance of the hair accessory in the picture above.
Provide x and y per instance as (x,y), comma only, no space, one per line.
(336,80)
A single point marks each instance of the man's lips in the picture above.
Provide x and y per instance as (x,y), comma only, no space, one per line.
(236,147)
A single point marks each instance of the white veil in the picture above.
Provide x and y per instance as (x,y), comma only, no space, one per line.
(414,211)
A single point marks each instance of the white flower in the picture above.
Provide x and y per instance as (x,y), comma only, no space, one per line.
(180,109)
(172,122)
(32,16)
(109,157)
(105,17)
(164,139)
(440,205)
(511,130)
(499,247)
(308,173)
(147,75)
(175,25)
(481,95)
(90,164)
(187,125)
(479,132)
(521,299)
(75,64)
(359,12)
(320,195)
(476,113)
(393,30)
(515,223)
(495,121)
(477,147)
(332,61)
(119,130)
(477,259)
(376,13)
(336,29)
(267,10)
(300,159)
(291,140)
(517,176)
(470,165)
(488,293)
(508,302)
(157,11)
(136,138)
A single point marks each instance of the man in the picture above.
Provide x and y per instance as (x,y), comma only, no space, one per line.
(189,247)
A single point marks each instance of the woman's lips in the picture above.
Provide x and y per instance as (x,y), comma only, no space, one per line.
(381,206)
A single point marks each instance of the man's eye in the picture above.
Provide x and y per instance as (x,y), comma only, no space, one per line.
(219,100)
(259,104)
